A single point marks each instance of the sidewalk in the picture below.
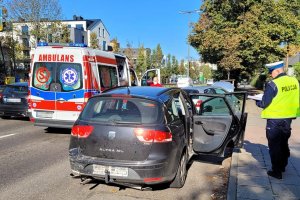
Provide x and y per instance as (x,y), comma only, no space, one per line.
(249,165)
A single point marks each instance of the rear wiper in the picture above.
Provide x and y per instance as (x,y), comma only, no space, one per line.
(124,122)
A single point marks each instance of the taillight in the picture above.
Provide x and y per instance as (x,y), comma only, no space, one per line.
(82,131)
(149,136)
(1,96)
(87,95)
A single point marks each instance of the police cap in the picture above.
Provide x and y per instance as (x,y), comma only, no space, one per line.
(275,65)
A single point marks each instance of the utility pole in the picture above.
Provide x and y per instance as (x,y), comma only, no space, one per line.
(189,32)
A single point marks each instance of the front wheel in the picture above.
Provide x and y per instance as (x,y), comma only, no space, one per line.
(181,173)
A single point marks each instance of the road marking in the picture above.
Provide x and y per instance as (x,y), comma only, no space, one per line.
(4,136)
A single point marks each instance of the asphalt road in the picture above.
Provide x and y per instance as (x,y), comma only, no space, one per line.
(34,165)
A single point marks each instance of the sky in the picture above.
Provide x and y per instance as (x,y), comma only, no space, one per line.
(141,22)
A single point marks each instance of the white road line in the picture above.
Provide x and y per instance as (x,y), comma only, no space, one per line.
(4,136)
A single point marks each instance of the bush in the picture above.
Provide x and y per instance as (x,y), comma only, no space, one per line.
(258,81)
(297,70)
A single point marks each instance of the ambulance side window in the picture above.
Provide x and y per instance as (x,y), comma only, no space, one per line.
(108,76)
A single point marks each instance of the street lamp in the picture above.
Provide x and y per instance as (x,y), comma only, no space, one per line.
(189,32)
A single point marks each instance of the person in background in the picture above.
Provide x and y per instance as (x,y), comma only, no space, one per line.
(280,103)
(155,82)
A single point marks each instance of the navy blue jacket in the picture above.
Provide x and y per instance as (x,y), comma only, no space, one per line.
(269,93)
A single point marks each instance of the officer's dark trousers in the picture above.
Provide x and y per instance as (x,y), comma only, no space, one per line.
(278,133)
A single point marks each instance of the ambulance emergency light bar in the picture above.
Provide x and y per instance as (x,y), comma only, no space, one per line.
(44,44)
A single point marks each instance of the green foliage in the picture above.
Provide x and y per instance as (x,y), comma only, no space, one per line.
(244,35)
(297,70)
(94,41)
(115,45)
(258,81)
(141,64)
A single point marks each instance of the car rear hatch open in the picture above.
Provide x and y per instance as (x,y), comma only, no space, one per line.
(119,128)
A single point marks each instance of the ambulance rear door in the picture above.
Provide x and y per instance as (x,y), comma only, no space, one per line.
(69,84)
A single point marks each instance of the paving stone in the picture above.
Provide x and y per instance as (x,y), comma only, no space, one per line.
(259,181)
(252,192)
(285,191)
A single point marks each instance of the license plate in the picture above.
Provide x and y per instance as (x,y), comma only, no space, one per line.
(113,171)
(13,100)
(44,114)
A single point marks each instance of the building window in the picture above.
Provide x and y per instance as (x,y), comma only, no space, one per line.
(24,30)
(104,45)
(99,32)
(82,39)
(25,42)
(69,26)
(50,38)
(79,26)
(103,32)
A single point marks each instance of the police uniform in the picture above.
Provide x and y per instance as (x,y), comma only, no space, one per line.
(280,104)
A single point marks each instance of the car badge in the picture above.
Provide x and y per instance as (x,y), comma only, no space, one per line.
(111,135)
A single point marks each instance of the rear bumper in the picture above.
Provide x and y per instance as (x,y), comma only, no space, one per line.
(139,173)
(13,110)
(53,123)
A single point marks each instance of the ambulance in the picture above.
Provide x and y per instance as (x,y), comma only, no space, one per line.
(63,78)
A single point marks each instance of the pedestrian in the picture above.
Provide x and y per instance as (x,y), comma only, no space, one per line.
(155,82)
(280,103)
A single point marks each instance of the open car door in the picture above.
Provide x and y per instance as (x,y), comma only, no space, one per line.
(148,77)
(218,120)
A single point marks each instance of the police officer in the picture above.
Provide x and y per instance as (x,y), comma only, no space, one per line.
(280,103)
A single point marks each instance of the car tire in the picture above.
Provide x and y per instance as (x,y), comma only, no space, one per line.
(181,173)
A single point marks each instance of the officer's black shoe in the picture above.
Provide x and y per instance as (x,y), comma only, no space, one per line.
(274,174)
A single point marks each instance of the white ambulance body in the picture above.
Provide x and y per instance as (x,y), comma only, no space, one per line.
(62,79)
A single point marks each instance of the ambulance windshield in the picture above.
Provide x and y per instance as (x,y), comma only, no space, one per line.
(55,76)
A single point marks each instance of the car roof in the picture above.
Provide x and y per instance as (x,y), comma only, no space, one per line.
(138,91)
(201,89)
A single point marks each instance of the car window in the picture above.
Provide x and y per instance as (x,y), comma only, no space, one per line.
(236,102)
(219,91)
(68,75)
(15,89)
(213,106)
(108,76)
(131,110)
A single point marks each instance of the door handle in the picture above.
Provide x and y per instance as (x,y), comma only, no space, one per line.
(61,99)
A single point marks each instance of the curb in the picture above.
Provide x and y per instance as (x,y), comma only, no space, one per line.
(232,182)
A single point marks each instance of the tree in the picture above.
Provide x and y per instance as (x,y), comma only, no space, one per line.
(129,52)
(141,60)
(159,56)
(37,12)
(246,34)
(115,45)
(94,41)
(297,70)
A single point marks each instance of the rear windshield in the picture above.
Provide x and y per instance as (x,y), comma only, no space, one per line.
(67,75)
(121,110)
(15,89)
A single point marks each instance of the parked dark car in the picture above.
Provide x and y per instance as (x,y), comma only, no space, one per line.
(142,136)
(13,100)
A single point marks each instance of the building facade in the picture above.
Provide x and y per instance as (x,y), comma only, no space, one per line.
(80,31)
